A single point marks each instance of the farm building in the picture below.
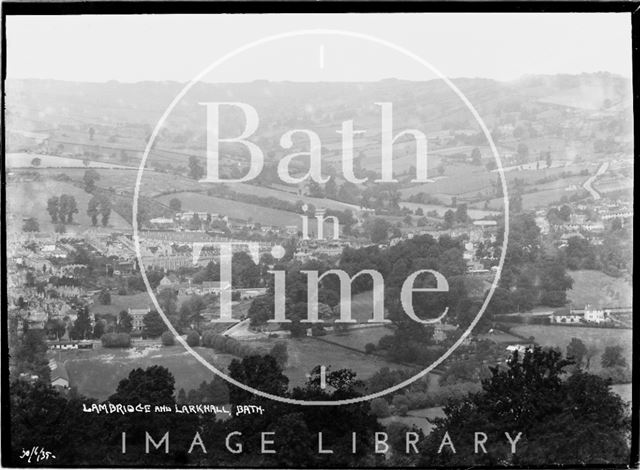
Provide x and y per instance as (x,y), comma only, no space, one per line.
(565,316)
(59,376)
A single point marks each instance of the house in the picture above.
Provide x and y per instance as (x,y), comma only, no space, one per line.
(64,345)
(137,317)
(594,315)
(169,281)
(520,348)
(564,317)
(161,222)
(59,376)
(207,287)
(251,293)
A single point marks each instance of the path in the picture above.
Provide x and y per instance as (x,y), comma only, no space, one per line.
(588,184)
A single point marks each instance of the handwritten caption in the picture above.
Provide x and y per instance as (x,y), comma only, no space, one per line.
(118,408)
(37,454)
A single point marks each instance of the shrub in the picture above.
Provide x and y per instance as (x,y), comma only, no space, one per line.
(401,404)
(193,339)
(380,408)
(167,339)
(369,348)
(116,340)
(225,344)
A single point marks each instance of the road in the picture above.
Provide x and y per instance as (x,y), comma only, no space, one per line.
(588,184)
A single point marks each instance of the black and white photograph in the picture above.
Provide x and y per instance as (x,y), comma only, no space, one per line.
(278,237)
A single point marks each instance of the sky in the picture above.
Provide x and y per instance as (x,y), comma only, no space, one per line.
(502,46)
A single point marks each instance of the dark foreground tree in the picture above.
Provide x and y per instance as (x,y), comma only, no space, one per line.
(572,421)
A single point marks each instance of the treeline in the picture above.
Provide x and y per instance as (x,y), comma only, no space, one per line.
(225,344)
(550,403)
(613,257)
(530,275)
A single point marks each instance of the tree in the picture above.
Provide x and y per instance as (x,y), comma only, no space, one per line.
(315,190)
(279,352)
(105,210)
(168,300)
(167,338)
(378,230)
(193,339)
(31,225)
(564,212)
(330,188)
(68,207)
(99,205)
(55,328)
(261,310)
(476,157)
(449,218)
(36,161)
(92,133)
(175,204)
(348,192)
(125,322)
(576,351)
(30,354)
(104,297)
(98,329)
(90,177)
(196,171)
(116,340)
(380,408)
(82,327)
(195,223)
(613,357)
(53,208)
(260,372)
(461,213)
(154,385)
(93,210)
(154,325)
(530,396)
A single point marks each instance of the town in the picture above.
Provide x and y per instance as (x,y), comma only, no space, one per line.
(338,281)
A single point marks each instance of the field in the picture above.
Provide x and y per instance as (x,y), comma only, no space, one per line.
(96,373)
(498,336)
(307,353)
(598,289)
(459,179)
(235,209)
(29,199)
(358,338)
(263,191)
(560,336)
(538,199)
(124,181)
(23,160)
(122,302)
